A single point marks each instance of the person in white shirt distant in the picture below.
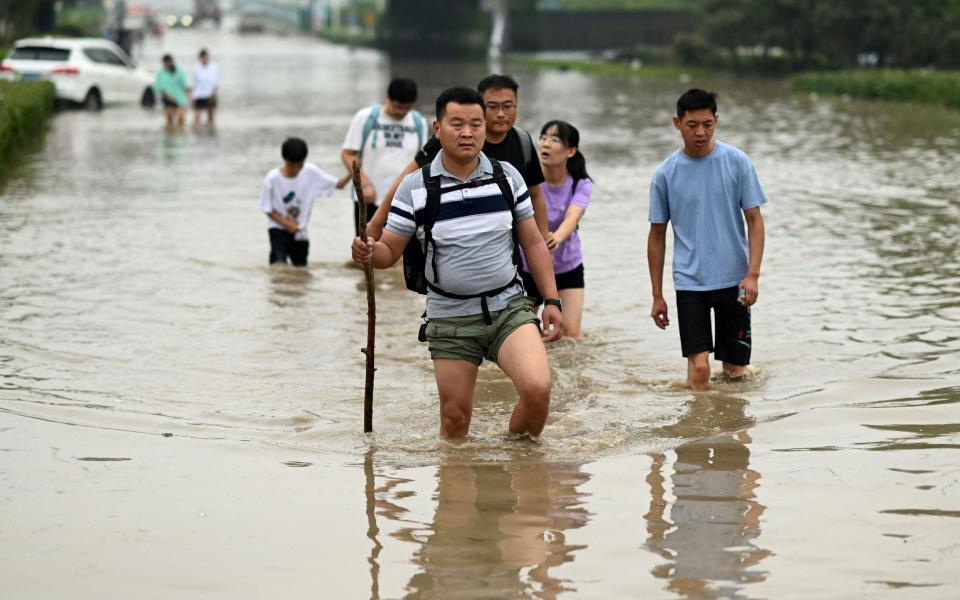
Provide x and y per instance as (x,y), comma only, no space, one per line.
(206,81)
(286,198)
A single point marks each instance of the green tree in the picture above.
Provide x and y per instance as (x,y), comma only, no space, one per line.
(835,33)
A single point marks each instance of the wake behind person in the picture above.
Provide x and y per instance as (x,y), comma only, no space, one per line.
(287,197)
(383,138)
(505,141)
(707,189)
(476,309)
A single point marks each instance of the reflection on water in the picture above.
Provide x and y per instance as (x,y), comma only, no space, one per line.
(497,529)
(288,285)
(707,533)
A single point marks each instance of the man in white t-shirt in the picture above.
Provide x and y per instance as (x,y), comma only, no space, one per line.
(206,81)
(286,197)
(384,138)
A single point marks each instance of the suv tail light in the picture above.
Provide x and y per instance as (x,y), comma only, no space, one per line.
(5,68)
(65,71)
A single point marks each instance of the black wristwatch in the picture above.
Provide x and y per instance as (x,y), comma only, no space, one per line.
(554,302)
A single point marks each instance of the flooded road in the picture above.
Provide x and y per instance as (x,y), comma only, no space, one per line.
(179,420)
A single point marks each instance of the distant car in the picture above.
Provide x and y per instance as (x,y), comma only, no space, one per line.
(179,20)
(252,20)
(89,71)
(206,10)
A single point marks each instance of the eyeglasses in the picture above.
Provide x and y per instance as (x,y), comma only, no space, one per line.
(505,107)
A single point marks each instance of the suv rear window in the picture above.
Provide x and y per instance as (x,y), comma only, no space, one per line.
(104,56)
(40,53)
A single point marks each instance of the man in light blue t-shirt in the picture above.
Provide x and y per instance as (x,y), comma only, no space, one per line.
(707,190)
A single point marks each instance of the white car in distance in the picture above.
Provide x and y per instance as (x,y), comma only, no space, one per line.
(92,72)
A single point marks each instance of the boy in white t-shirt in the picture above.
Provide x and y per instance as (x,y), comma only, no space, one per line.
(384,138)
(206,81)
(286,197)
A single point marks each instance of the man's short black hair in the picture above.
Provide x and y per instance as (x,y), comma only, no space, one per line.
(460,95)
(402,90)
(294,150)
(203,51)
(166,57)
(696,99)
(498,82)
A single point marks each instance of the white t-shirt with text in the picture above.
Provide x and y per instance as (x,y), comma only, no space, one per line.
(388,149)
(293,198)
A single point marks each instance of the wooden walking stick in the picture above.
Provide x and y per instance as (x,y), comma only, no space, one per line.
(371,307)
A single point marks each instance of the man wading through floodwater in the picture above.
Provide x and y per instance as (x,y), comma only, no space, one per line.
(476,308)
(707,189)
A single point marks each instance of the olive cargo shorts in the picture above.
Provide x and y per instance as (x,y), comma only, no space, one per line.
(467,338)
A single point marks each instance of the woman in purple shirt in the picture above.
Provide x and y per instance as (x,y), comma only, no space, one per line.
(567,189)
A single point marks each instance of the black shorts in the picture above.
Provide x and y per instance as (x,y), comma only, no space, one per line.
(283,247)
(168,103)
(371,210)
(568,280)
(732,324)
(202,103)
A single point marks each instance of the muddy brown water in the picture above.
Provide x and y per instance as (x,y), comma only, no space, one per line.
(179,420)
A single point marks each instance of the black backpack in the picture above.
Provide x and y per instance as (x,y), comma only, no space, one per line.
(415,256)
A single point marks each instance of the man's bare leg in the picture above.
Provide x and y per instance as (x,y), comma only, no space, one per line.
(456,380)
(524,359)
(698,370)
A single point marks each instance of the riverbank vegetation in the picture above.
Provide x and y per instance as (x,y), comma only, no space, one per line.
(81,20)
(625,4)
(23,18)
(607,67)
(927,86)
(24,109)
(349,37)
(785,36)
(898,50)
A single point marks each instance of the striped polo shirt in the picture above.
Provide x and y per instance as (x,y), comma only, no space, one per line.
(472,232)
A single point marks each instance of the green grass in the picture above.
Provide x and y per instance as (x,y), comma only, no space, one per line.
(344,36)
(926,86)
(24,108)
(626,4)
(609,68)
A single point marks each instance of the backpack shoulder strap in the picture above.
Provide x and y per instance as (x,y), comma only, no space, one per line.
(432,208)
(526,145)
(369,126)
(507,191)
(501,179)
(418,125)
(431,211)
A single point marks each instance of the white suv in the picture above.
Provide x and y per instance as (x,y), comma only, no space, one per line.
(89,71)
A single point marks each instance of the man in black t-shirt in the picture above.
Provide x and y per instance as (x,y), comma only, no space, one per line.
(504,142)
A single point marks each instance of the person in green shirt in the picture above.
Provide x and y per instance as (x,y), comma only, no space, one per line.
(171,85)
